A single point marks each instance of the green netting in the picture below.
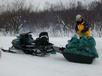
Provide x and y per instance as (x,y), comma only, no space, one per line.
(83,46)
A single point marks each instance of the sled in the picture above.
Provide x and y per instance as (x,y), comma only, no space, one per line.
(78,58)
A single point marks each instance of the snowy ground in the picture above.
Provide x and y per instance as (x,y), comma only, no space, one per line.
(54,65)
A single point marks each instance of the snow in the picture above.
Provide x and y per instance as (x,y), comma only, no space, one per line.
(53,65)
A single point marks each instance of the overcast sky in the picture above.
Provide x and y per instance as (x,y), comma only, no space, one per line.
(4,4)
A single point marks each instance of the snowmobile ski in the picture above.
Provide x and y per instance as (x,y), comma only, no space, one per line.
(9,51)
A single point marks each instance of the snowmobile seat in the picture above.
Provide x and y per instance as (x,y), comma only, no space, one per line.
(43,34)
(43,39)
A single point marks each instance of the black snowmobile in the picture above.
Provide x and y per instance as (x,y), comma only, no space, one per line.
(26,44)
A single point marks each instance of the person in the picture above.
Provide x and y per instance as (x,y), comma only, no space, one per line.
(82,26)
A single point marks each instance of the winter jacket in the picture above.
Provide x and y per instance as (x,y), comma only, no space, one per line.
(83,28)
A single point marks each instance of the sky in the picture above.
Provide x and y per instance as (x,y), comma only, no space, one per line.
(40,4)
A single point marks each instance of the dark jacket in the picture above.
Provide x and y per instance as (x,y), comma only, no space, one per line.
(86,26)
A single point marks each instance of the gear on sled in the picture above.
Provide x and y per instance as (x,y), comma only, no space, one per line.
(39,47)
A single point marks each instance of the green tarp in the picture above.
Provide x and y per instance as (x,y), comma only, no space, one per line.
(83,46)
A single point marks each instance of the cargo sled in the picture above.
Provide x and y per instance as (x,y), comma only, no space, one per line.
(80,50)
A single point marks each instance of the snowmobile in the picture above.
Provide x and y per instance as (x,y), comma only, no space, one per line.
(80,50)
(24,43)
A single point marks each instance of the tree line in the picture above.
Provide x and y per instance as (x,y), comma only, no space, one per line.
(57,18)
